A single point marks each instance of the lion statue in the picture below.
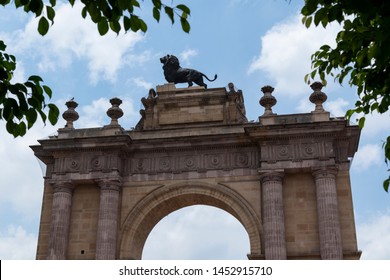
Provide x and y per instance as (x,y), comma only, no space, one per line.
(175,74)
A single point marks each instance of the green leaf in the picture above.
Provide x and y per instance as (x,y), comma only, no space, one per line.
(156,14)
(309,7)
(84,12)
(143,26)
(35,79)
(169,12)
(7,111)
(320,15)
(10,126)
(54,2)
(43,116)
(308,22)
(157,4)
(31,116)
(48,91)
(94,12)
(54,112)
(126,23)
(36,7)
(115,26)
(50,13)
(185,25)
(361,122)
(22,129)
(122,4)
(184,8)
(103,26)
(43,26)
(135,23)
(135,3)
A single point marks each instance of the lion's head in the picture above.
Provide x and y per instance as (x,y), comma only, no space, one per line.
(170,60)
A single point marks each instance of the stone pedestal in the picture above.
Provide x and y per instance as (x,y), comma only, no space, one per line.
(328,216)
(108,220)
(273,216)
(60,220)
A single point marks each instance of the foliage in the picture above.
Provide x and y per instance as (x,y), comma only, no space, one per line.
(21,103)
(362,53)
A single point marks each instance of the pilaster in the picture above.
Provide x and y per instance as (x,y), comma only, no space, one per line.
(273,216)
(60,220)
(328,216)
(108,219)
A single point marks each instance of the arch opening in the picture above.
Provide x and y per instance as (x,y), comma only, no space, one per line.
(197,232)
(167,199)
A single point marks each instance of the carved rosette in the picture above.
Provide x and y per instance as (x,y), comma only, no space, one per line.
(318,97)
(70,115)
(165,164)
(115,112)
(190,163)
(73,165)
(268,100)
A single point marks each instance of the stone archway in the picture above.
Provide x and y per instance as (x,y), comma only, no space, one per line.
(167,199)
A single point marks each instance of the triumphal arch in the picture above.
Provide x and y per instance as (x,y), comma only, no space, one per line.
(284,177)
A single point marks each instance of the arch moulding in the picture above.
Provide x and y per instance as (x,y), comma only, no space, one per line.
(167,199)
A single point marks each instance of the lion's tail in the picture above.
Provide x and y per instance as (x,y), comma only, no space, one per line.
(215,77)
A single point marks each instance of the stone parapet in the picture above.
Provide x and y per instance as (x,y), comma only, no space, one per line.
(191,107)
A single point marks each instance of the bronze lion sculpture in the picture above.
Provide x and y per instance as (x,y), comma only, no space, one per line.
(175,74)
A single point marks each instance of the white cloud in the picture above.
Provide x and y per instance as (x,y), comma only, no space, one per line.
(197,232)
(186,55)
(140,82)
(95,114)
(21,185)
(17,244)
(367,156)
(374,238)
(285,53)
(72,37)
(336,107)
(376,124)
(305,106)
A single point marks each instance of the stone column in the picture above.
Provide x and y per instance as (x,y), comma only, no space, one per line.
(328,214)
(108,219)
(273,216)
(60,220)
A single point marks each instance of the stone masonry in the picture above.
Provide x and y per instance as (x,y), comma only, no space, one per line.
(284,177)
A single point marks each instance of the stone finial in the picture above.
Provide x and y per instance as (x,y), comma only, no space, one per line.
(115,112)
(268,100)
(70,115)
(318,97)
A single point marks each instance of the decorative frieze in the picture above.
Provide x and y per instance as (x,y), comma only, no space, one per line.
(272,153)
(191,162)
(87,162)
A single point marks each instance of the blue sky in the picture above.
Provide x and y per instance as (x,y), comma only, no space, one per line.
(248,42)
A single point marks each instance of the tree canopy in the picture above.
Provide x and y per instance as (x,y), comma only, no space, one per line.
(22,103)
(362,53)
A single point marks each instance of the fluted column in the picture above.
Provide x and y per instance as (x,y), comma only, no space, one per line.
(328,214)
(60,220)
(273,216)
(108,219)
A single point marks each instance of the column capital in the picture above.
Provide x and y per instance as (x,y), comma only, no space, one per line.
(66,186)
(271,175)
(325,172)
(113,184)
